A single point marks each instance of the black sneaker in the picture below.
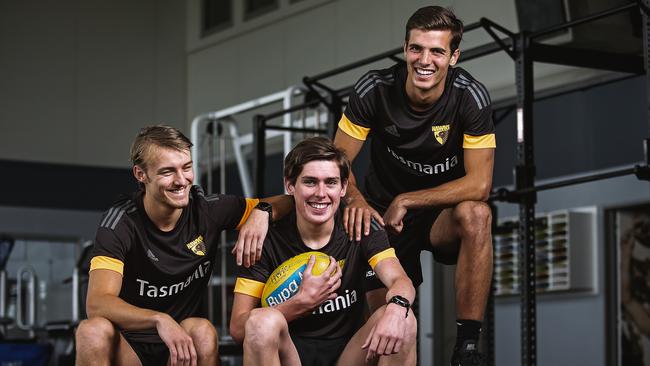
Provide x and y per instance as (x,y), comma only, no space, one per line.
(467,355)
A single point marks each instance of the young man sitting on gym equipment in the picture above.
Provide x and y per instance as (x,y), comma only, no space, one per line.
(153,257)
(323,323)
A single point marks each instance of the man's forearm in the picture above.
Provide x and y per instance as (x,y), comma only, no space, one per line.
(392,275)
(123,314)
(282,205)
(446,195)
(401,287)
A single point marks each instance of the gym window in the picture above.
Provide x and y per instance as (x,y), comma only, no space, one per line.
(256,8)
(216,20)
(217,15)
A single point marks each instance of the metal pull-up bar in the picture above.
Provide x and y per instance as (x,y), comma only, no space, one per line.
(642,172)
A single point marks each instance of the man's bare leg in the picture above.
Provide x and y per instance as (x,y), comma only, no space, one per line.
(466,230)
(204,337)
(267,340)
(98,342)
(353,354)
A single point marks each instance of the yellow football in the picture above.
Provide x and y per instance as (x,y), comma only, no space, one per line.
(285,280)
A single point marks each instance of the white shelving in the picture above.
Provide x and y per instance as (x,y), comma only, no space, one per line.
(564,250)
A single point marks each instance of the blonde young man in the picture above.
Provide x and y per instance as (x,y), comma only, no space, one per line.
(153,257)
(323,324)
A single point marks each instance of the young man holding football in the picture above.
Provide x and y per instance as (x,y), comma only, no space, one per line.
(323,323)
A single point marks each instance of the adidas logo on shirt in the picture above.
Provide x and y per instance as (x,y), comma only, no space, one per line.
(151,255)
(392,130)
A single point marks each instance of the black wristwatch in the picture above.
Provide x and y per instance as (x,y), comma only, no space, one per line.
(267,207)
(401,301)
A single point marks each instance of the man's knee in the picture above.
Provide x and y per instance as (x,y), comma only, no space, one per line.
(474,217)
(203,334)
(96,334)
(264,326)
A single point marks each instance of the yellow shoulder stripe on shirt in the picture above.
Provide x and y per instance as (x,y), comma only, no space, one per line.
(250,205)
(249,287)
(388,253)
(356,131)
(479,142)
(103,262)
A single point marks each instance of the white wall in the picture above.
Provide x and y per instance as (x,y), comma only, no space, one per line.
(78,78)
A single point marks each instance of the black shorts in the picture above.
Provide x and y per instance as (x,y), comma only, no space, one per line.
(149,353)
(413,239)
(319,352)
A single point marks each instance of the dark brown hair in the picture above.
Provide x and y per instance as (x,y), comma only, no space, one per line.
(436,18)
(312,149)
(156,136)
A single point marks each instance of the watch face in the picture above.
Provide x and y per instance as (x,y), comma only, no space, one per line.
(264,206)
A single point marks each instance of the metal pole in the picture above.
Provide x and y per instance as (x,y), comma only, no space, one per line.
(210,156)
(645,24)
(3,293)
(224,243)
(335,113)
(525,178)
(438,335)
(317,117)
(210,132)
(259,147)
(295,129)
(29,323)
(75,295)
(302,124)
(513,196)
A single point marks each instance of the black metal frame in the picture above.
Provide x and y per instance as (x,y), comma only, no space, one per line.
(259,139)
(524,50)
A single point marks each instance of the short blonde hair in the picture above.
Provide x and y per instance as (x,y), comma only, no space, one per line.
(156,136)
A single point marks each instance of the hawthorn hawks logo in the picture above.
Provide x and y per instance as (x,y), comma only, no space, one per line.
(197,246)
(440,133)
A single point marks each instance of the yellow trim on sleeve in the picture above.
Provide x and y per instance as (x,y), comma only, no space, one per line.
(103,262)
(250,205)
(388,253)
(356,131)
(480,142)
(249,287)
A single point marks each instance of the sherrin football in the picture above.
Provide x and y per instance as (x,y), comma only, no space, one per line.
(285,280)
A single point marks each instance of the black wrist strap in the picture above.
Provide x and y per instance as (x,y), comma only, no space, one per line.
(265,206)
(401,301)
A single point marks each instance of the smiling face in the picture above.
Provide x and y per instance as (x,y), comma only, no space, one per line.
(167,178)
(317,191)
(428,57)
